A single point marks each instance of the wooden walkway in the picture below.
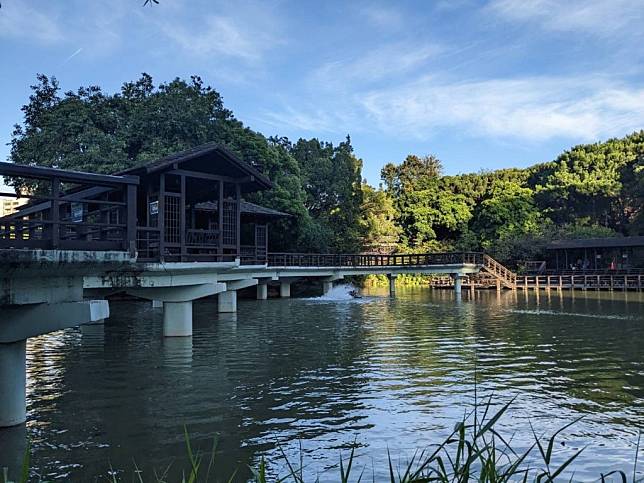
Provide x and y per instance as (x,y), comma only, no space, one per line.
(496,276)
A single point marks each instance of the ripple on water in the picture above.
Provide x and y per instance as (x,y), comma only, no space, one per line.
(325,373)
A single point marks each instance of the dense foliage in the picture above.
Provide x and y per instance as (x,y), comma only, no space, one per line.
(590,190)
(593,190)
(90,130)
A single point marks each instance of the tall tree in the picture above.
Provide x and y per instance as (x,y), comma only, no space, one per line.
(90,130)
(331,177)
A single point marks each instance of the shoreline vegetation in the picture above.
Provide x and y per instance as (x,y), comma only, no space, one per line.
(474,451)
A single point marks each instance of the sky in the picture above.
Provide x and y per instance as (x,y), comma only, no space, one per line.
(480,84)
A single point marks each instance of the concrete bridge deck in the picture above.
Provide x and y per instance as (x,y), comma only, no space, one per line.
(43,291)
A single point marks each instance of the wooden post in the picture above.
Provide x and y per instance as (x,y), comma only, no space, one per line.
(161,217)
(131,220)
(182,218)
(55,213)
(221,221)
(238,216)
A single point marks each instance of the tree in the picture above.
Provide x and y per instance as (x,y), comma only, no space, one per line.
(89,130)
(331,178)
(509,212)
(380,233)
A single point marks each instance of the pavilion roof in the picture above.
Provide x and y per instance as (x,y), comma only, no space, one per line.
(611,242)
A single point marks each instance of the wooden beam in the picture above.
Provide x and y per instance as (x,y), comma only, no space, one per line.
(238,215)
(212,177)
(55,213)
(39,172)
(221,217)
(130,244)
(182,216)
(161,216)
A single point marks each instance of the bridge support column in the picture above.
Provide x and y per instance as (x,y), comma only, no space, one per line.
(262,291)
(227,302)
(13,383)
(326,287)
(458,283)
(285,289)
(392,284)
(177,319)
(157,304)
(177,304)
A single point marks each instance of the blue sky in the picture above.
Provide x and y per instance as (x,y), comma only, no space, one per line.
(480,84)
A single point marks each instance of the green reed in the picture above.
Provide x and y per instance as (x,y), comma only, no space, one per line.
(474,451)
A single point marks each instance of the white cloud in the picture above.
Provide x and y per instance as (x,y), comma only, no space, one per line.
(529,109)
(600,17)
(19,21)
(387,61)
(535,109)
(220,36)
(384,17)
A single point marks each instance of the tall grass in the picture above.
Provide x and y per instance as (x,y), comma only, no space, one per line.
(474,451)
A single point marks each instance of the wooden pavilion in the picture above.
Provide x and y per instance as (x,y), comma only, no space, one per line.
(596,254)
(184,207)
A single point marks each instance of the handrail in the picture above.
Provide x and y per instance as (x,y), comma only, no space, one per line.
(372,259)
(505,275)
(97,213)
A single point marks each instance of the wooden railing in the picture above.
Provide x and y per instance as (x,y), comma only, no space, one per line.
(372,260)
(584,282)
(69,210)
(505,275)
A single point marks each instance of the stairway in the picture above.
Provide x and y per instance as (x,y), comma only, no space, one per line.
(506,276)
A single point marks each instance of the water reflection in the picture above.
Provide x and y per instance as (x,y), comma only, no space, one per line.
(386,373)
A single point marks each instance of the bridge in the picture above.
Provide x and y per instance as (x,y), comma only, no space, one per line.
(80,238)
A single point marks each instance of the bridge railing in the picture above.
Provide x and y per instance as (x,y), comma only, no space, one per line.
(372,260)
(68,210)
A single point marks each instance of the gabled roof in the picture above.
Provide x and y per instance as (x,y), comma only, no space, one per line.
(246,208)
(189,154)
(611,242)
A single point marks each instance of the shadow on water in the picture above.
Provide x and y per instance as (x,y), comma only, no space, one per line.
(325,372)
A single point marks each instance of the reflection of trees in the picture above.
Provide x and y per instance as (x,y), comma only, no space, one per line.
(285,370)
(594,357)
(289,370)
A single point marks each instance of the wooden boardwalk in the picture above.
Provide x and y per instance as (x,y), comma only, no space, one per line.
(496,276)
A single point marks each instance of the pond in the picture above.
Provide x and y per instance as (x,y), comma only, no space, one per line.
(312,377)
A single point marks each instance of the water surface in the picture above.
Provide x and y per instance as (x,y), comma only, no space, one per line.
(325,374)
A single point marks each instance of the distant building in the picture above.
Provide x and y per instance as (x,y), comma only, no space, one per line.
(616,253)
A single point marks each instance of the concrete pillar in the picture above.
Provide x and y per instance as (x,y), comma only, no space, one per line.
(177,319)
(227,302)
(392,285)
(157,304)
(13,380)
(262,291)
(458,283)
(326,287)
(285,289)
